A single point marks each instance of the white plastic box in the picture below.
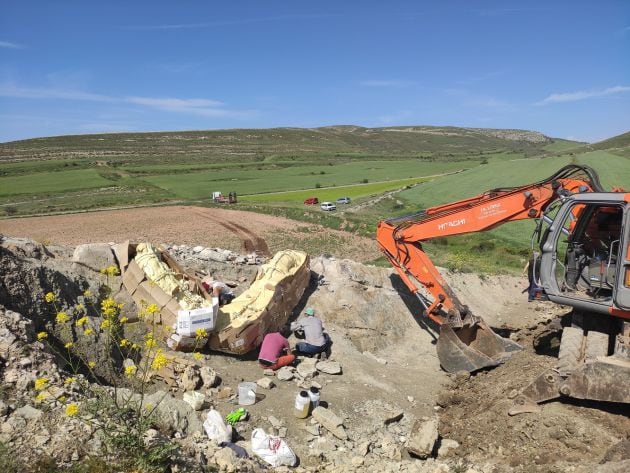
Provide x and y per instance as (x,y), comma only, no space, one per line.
(188,321)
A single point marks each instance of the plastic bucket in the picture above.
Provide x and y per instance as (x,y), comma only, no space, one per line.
(246,393)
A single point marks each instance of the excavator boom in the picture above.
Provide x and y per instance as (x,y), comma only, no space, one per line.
(466,341)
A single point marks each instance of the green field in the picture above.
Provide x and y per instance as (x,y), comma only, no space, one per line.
(273,171)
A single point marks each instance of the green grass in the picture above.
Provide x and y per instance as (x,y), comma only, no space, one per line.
(309,178)
(333,193)
(52,183)
(502,247)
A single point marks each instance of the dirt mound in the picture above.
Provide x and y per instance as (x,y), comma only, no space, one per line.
(569,436)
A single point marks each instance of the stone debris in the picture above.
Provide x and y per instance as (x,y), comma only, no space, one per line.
(306,368)
(265,383)
(330,421)
(190,379)
(329,367)
(209,377)
(195,399)
(423,436)
(286,373)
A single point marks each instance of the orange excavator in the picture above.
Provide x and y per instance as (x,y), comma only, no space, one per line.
(582,260)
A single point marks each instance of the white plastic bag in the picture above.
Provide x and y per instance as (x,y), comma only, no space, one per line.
(273,450)
(216,428)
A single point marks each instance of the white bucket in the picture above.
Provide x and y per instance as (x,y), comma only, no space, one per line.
(246,393)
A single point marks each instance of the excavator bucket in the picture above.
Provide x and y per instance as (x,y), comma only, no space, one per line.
(472,347)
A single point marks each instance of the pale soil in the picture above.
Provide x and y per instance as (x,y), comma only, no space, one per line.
(369,314)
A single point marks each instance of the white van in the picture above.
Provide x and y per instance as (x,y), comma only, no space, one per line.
(328,206)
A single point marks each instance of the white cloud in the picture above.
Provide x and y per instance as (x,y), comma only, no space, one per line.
(583,95)
(193,106)
(387,83)
(241,21)
(11,90)
(9,45)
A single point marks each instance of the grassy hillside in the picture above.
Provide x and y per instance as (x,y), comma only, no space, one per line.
(264,145)
(69,173)
(506,246)
(273,171)
(617,145)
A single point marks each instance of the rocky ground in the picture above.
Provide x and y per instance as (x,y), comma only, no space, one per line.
(398,410)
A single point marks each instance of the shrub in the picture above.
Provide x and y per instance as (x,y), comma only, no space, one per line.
(122,416)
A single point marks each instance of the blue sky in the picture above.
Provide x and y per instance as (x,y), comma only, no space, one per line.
(74,67)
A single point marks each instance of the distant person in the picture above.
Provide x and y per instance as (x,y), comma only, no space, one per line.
(220,290)
(310,328)
(275,351)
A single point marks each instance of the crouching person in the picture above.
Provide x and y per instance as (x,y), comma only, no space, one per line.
(275,351)
(310,328)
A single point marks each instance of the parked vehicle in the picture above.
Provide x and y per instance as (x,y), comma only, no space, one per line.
(344,200)
(328,206)
(312,201)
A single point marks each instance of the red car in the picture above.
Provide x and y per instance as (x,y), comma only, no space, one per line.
(312,201)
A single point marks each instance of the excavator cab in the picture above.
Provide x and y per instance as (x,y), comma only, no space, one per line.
(585,264)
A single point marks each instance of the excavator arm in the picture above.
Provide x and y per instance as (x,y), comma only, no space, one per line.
(401,241)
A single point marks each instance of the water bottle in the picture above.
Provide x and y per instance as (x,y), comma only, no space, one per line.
(313,394)
(302,405)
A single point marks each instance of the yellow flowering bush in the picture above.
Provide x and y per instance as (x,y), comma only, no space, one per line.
(122,418)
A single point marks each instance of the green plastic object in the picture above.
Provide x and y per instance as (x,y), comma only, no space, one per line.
(236,415)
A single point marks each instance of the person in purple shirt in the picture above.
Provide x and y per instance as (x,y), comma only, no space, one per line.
(275,351)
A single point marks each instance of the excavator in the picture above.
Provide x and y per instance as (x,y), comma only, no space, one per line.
(580,258)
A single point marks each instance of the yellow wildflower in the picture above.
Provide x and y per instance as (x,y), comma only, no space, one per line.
(109,308)
(88,331)
(69,380)
(111,270)
(131,370)
(124,320)
(79,307)
(135,346)
(87,293)
(72,410)
(41,396)
(62,317)
(68,345)
(50,297)
(41,383)
(42,335)
(106,324)
(149,406)
(91,364)
(200,333)
(82,321)
(61,398)
(160,361)
(149,341)
(152,309)
(124,342)
(197,355)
